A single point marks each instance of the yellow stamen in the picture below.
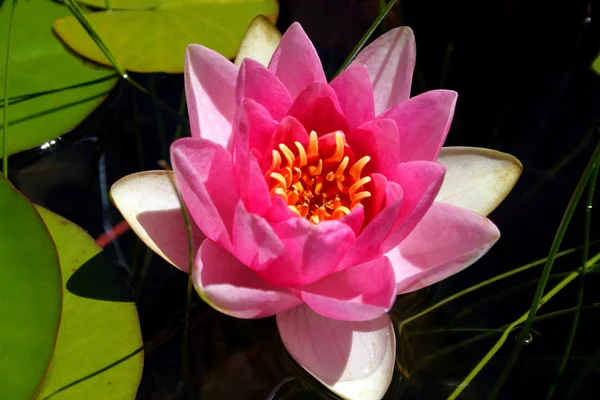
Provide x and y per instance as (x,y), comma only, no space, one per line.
(313,145)
(296,174)
(287,174)
(358,197)
(280,179)
(281,193)
(357,185)
(338,153)
(358,166)
(316,170)
(314,187)
(340,212)
(339,172)
(301,154)
(288,154)
(275,163)
(295,210)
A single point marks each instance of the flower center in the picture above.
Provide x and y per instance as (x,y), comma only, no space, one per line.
(314,187)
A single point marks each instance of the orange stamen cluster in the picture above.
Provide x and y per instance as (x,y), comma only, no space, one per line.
(317,188)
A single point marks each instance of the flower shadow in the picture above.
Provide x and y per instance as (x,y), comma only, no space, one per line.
(166,230)
(100,279)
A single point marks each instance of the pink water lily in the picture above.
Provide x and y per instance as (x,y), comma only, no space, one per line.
(319,202)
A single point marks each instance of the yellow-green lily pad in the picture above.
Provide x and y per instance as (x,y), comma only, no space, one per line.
(51,90)
(155,40)
(98,353)
(30,295)
(596,64)
(122,4)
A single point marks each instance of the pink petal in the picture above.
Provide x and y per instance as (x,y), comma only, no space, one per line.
(421,182)
(358,293)
(255,243)
(254,125)
(423,123)
(377,139)
(318,109)
(210,93)
(279,211)
(312,251)
(355,94)
(288,131)
(355,219)
(231,288)
(447,240)
(374,203)
(296,62)
(204,174)
(391,61)
(367,246)
(353,359)
(259,84)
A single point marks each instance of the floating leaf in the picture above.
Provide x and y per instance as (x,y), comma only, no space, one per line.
(596,64)
(30,295)
(99,348)
(122,4)
(50,89)
(155,40)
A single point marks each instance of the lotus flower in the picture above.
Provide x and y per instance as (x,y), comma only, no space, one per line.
(319,202)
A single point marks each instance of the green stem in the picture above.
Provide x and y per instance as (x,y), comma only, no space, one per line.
(507,293)
(13,11)
(522,336)
(366,36)
(535,304)
(79,15)
(480,285)
(190,285)
(427,360)
(585,255)
(454,330)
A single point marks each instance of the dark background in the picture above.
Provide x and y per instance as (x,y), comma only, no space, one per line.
(522,71)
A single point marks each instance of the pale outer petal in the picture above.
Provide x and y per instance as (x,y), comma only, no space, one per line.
(148,202)
(477,179)
(259,42)
(355,360)
(391,61)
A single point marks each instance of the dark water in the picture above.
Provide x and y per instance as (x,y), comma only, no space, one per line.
(522,71)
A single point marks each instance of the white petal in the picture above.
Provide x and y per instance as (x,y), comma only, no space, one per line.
(355,360)
(259,42)
(148,202)
(477,179)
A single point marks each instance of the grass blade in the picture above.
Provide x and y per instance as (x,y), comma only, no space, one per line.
(585,255)
(13,11)
(536,303)
(366,36)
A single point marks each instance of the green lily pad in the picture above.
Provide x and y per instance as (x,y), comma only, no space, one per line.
(155,40)
(596,64)
(30,295)
(122,4)
(99,348)
(51,90)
